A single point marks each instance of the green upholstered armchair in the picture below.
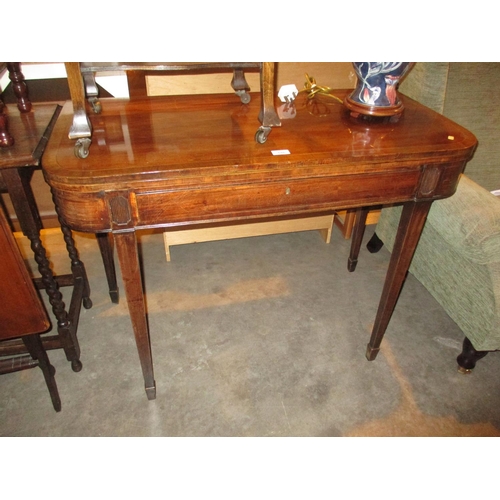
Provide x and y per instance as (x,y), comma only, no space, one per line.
(458,255)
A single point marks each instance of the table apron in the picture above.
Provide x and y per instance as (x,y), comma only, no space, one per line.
(287,196)
(142,208)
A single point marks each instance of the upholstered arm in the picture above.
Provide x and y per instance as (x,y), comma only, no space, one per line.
(469,221)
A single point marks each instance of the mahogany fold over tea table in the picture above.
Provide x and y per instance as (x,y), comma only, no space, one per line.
(188,160)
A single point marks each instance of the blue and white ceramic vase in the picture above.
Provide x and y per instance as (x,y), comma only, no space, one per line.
(376,89)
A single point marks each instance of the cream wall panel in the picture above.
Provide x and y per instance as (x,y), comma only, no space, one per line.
(330,74)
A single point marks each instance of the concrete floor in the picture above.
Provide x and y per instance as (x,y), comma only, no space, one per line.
(261,336)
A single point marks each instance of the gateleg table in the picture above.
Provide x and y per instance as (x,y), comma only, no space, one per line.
(188,160)
(31,131)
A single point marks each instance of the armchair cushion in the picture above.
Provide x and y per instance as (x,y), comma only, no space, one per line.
(469,221)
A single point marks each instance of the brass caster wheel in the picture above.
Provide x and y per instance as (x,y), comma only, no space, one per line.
(464,371)
(245,97)
(96,105)
(82,147)
(262,134)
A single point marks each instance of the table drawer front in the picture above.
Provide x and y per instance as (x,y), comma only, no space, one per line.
(272,198)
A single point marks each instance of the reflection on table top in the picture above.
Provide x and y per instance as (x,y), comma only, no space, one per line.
(211,133)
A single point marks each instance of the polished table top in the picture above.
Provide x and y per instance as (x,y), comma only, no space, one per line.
(176,161)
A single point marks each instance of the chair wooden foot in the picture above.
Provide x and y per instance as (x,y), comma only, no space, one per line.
(106,246)
(35,347)
(375,244)
(371,352)
(468,358)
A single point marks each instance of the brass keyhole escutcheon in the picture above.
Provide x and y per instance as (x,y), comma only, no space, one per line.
(288,191)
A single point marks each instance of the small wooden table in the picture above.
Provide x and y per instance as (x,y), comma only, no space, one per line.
(187,160)
(22,314)
(31,131)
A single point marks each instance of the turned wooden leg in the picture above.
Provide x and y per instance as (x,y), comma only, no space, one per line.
(6,139)
(19,86)
(65,328)
(126,246)
(35,347)
(77,267)
(410,228)
(240,85)
(17,181)
(357,237)
(468,358)
(105,241)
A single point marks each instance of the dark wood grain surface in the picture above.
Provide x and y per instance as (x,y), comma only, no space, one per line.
(21,311)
